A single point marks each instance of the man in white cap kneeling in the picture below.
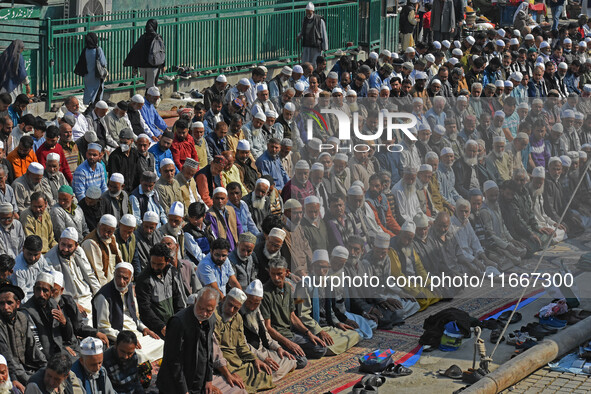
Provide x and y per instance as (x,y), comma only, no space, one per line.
(89,368)
(115,308)
(101,249)
(257,336)
(241,361)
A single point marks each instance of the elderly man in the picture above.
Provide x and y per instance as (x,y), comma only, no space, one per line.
(406,261)
(97,124)
(224,221)
(79,279)
(447,179)
(52,328)
(299,187)
(244,262)
(378,202)
(498,162)
(536,190)
(253,373)
(146,237)
(115,308)
(89,369)
(168,188)
(125,160)
(257,336)
(138,124)
(144,198)
(28,264)
(90,173)
(313,227)
(465,170)
(146,159)
(6,191)
(187,363)
(258,202)
(101,249)
(27,184)
(519,149)
(423,184)
(37,221)
(174,227)
(360,214)
(23,354)
(53,179)
(184,271)
(339,178)
(242,209)
(115,201)
(215,270)
(187,184)
(51,146)
(116,120)
(71,150)
(121,364)
(246,165)
(12,235)
(150,114)
(65,213)
(126,239)
(405,193)
(295,248)
(158,292)
(92,207)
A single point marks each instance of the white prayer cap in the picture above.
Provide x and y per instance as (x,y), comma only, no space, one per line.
(573,154)
(173,239)
(314,143)
(358,183)
(410,50)
(557,127)
(237,294)
(220,190)
(583,44)
(523,105)
(586,145)
(277,233)
(70,233)
(138,99)
(554,159)
(470,40)
(565,160)
(568,113)
(582,154)
(2,145)
(310,6)
(101,105)
(298,69)
(302,165)
(439,129)
(35,168)
(538,172)
(291,204)
(544,44)
(430,58)
(243,145)
(221,78)
(529,37)
(514,41)
(410,170)
(93,192)
(436,81)
(516,33)
(151,217)
(289,107)
(45,277)
(501,32)
(94,146)
(339,90)
(263,181)
(255,288)
(341,157)
(579,115)
(286,142)
(431,155)
(91,346)
(446,151)
(311,200)
(124,265)
(6,207)
(244,82)
(154,91)
(340,251)
(165,162)
(299,86)
(500,43)
(355,191)
(457,44)
(587,86)
(419,75)
(261,116)
(508,84)
(421,220)
(53,156)
(437,44)
(108,220)
(425,167)
(58,278)
(498,138)
(446,43)
(128,220)
(271,114)
(453,61)
(261,87)
(386,53)
(317,167)
(499,114)
(567,41)
(373,55)
(143,136)
(117,177)
(320,255)
(384,87)
(409,226)
(382,240)
(351,93)
(457,52)
(516,76)
(499,83)
(562,66)
(286,70)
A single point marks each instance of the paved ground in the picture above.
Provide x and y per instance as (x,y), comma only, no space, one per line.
(546,381)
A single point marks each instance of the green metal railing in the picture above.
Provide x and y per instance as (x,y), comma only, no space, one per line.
(210,36)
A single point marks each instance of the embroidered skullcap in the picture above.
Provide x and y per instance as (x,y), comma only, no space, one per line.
(498,138)
(410,170)
(255,288)
(302,165)
(341,157)
(425,167)
(191,163)
(565,160)
(153,91)
(53,156)
(382,240)
(557,127)
(582,154)
(554,159)
(421,220)
(93,192)
(177,209)
(317,167)
(446,151)
(439,129)
(247,237)
(538,172)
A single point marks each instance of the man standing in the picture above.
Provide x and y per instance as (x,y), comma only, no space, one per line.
(313,35)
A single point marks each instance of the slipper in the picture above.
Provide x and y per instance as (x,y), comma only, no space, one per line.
(396,371)
(369,389)
(495,334)
(373,380)
(357,388)
(471,376)
(453,372)
(505,316)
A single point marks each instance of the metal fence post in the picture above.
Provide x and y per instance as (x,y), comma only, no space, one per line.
(177,44)
(134,34)
(48,65)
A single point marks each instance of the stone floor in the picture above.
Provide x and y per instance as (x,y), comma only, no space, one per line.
(546,381)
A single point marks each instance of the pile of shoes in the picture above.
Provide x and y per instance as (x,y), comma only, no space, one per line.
(470,376)
(370,383)
(496,325)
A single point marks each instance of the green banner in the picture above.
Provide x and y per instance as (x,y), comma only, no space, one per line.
(19,13)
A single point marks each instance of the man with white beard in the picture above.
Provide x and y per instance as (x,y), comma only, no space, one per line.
(424,135)
(295,249)
(361,214)
(447,179)
(536,190)
(451,136)
(501,245)
(471,254)
(174,226)
(268,250)
(313,226)
(465,170)
(5,383)
(498,162)
(244,261)
(339,178)
(409,156)
(424,195)
(101,249)
(405,193)
(258,202)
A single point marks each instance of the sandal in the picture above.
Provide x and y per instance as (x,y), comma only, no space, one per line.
(373,380)
(505,316)
(357,388)
(453,372)
(471,376)
(396,371)
(495,334)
